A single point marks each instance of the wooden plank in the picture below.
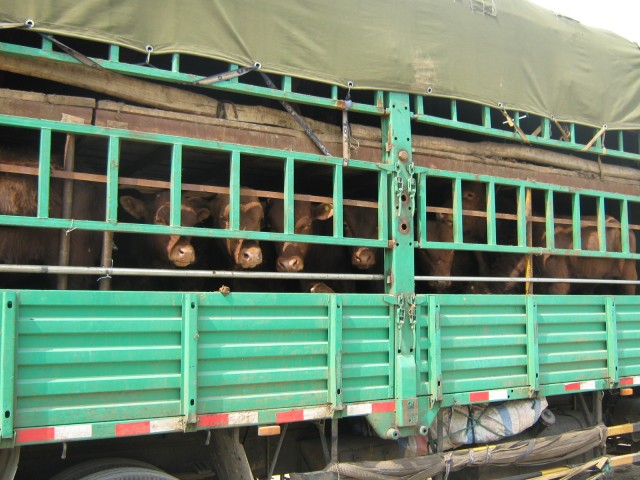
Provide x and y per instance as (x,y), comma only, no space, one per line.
(49,107)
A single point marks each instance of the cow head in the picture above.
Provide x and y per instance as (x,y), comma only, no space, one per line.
(155,209)
(473,198)
(291,255)
(435,262)
(244,253)
(361,222)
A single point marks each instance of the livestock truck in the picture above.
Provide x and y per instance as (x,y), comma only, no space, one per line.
(149,327)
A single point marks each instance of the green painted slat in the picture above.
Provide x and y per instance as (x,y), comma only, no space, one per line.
(113,167)
(7,363)
(289,190)
(251,377)
(458,225)
(491,213)
(234,191)
(44,173)
(334,361)
(189,361)
(549,217)
(82,386)
(338,225)
(176,186)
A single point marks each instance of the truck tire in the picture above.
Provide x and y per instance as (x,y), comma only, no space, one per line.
(229,458)
(81,470)
(129,473)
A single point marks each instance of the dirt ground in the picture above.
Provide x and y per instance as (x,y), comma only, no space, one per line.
(627,472)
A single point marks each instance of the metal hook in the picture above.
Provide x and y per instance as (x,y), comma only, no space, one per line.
(149,49)
(108,274)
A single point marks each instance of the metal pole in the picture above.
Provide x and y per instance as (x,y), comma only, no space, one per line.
(67,206)
(334,441)
(106,260)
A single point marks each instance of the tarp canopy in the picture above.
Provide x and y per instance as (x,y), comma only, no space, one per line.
(517,54)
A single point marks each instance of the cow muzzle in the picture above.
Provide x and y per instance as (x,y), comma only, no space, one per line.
(363,258)
(440,285)
(250,257)
(182,255)
(290,264)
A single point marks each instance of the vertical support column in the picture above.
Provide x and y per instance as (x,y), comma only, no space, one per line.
(533,364)
(335,351)
(458,219)
(491,213)
(624,225)
(602,227)
(67,208)
(189,357)
(44,173)
(612,340)
(234,192)
(549,219)
(289,192)
(575,222)
(338,196)
(175,214)
(399,258)
(7,363)
(422,209)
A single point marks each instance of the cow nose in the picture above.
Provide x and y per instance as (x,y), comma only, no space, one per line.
(251,257)
(440,285)
(183,255)
(290,264)
(364,258)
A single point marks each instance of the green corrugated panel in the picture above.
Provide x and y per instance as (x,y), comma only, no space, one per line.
(628,323)
(262,351)
(90,357)
(483,342)
(366,367)
(572,339)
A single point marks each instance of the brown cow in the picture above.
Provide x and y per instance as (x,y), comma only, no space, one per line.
(40,246)
(564,266)
(245,254)
(160,251)
(361,222)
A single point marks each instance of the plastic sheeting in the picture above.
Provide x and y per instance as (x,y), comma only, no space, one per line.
(484,423)
(518,54)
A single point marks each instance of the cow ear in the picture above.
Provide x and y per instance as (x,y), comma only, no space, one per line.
(322,211)
(203,214)
(134,206)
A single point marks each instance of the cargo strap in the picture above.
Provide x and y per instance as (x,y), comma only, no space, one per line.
(307,129)
(224,76)
(70,51)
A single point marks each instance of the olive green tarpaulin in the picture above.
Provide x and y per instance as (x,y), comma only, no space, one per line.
(517,54)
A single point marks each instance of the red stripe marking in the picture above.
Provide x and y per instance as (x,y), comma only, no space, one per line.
(128,429)
(381,407)
(479,397)
(35,435)
(572,386)
(214,420)
(626,381)
(291,416)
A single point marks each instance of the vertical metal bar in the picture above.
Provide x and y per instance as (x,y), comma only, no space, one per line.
(549,217)
(175,218)
(434,362)
(522,216)
(67,204)
(383,218)
(458,226)
(189,356)
(346,148)
(418,104)
(334,92)
(286,83)
(422,209)
(602,226)
(338,197)
(546,128)
(234,191)
(113,168)
(46,45)
(491,213)
(572,132)
(454,110)
(289,189)
(175,62)
(612,340)
(533,364)
(486,117)
(575,222)
(516,118)
(334,441)
(335,352)
(114,53)
(529,235)
(624,225)
(44,173)
(621,140)
(7,363)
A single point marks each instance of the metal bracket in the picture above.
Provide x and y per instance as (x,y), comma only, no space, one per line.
(410,412)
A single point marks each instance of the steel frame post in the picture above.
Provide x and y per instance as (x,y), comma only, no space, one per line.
(399,258)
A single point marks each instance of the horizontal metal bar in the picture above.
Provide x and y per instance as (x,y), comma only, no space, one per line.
(424,278)
(168,272)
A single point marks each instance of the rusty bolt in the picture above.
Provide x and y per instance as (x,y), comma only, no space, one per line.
(403,155)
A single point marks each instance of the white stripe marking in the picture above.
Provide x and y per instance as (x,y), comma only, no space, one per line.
(360,409)
(317,413)
(590,385)
(73,431)
(243,418)
(166,425)
(498,395)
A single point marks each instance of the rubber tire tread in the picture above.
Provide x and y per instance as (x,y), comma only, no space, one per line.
(81,470)
(129,473)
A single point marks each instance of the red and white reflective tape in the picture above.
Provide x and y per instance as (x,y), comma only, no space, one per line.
(589,385)
(252,417)
(152,426)
(79,432)
(489,396)
(306,414)
(629,381)
(369,408)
